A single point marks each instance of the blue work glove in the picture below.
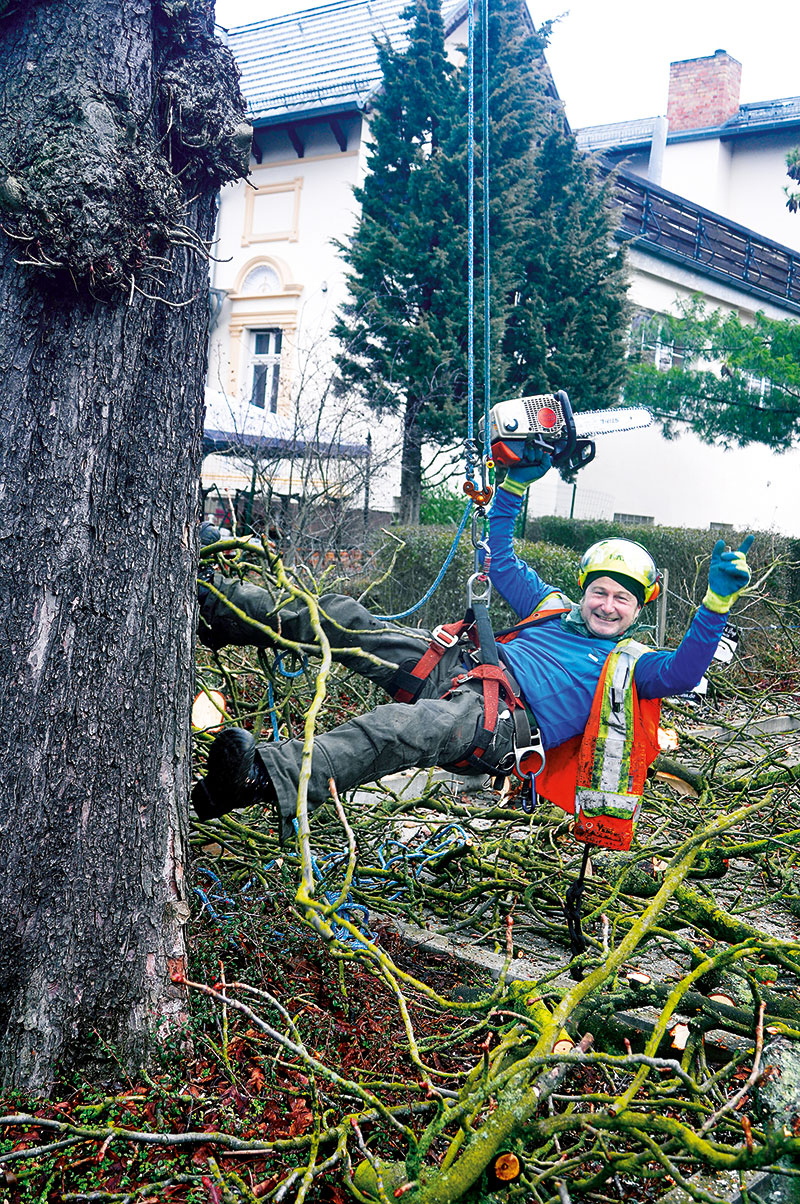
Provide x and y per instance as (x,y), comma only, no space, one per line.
(728,575)
(534,464)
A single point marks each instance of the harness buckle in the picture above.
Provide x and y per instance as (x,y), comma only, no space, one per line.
(446,639)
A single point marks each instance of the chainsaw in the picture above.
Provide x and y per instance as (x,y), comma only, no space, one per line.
(546,420)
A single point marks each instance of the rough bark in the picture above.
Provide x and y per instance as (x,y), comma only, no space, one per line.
(109,162)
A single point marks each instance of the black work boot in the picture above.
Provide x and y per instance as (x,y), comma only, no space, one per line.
(235,777)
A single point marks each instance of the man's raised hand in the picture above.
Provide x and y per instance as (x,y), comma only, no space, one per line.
(728,575)
(534,464)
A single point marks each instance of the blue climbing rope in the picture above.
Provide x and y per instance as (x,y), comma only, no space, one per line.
(487,333)
(290,672)
(403,614)
(220,906)
(470,447)
(276,734)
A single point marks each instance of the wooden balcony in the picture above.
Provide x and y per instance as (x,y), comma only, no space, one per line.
(686,233)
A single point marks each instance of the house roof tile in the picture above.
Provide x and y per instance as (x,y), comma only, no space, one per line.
(319,58)
(757,116)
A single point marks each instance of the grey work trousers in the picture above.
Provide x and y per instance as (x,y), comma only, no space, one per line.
(431,731)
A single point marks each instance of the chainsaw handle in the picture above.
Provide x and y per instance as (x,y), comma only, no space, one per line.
(572,453)
(565,448)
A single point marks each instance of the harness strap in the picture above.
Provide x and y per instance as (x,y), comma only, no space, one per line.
(495,685)
(485,635)
(496,680)
(539,616)
(406,684)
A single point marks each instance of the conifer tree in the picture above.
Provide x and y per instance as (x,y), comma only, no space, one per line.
(403,330)
(557,293)
(568,327)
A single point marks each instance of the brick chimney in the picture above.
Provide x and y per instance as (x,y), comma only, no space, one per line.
(703,92)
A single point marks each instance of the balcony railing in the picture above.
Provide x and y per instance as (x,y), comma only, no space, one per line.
(713,245)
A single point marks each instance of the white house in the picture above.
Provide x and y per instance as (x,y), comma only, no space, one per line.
(278,278)
(701,210)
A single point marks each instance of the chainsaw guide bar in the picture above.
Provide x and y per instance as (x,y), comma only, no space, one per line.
(547,420)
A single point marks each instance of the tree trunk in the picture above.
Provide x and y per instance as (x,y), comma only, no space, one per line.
(101,423)
(411,466)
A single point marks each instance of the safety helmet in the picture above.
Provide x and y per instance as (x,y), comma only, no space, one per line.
(621,558)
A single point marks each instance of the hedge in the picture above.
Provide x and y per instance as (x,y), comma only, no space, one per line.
(553,546)
(422,556)
(685,552)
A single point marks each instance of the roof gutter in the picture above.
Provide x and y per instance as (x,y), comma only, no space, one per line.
(309,112)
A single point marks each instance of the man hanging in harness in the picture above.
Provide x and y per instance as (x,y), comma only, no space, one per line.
(569,669)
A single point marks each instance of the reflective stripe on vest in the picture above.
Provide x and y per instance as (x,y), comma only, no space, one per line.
(612,764)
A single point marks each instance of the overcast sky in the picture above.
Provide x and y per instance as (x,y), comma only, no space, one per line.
(610,58)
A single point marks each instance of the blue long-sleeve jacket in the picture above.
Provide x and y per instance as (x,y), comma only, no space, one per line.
(558,664)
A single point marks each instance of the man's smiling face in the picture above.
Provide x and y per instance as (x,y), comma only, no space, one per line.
(607,608)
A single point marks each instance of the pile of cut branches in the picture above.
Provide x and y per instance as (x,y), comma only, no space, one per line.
(334,1053)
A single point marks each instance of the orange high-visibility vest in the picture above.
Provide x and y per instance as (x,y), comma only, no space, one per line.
(599,775)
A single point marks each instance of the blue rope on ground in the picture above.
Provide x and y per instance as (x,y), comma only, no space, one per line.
(276,735)
(215,894)
(348,911)
(290,673)
(452,835)
(423,853)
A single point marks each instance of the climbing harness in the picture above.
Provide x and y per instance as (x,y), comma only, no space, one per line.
(474,635)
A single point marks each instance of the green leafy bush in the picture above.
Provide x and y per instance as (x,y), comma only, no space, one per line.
(441,506)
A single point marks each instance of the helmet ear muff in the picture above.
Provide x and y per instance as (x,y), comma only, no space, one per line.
(654,590)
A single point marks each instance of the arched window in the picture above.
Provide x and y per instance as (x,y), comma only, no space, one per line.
(261,280)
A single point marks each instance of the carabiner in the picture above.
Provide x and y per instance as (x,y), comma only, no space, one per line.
(479,544)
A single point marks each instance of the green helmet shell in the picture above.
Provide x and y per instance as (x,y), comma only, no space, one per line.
(623,558)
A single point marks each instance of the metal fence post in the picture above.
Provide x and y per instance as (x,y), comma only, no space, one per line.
(661,613)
